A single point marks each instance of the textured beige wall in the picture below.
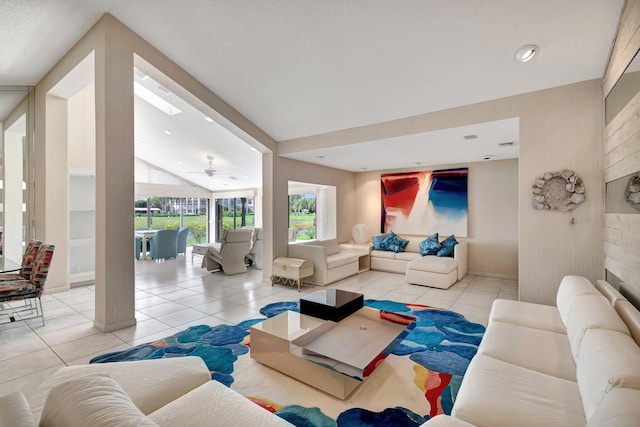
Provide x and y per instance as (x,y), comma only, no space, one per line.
(493,213)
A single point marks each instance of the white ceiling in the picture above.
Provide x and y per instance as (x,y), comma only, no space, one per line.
(301,68)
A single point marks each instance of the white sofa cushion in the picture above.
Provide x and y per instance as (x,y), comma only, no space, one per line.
(570,288)
(608,359)
(383,254)
(619,408)
(149,383)
(213,404)
(331,246)
(408,256)
(497,393)
(96,401)
(591,312)
(537,316)
(15,411)
(433,264)
(338,259)
(542,351)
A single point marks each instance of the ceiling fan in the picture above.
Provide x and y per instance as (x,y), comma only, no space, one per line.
(210,171)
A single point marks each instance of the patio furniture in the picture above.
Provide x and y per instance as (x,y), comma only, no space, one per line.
(28,262)
(163,244)
(181,244)
(234,246)
(255,253)
(29,291)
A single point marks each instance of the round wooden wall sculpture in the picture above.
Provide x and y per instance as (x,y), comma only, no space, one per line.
(632,193)
(558,191)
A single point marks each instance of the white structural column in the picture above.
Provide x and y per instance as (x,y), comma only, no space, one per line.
(115,275)
(13,192)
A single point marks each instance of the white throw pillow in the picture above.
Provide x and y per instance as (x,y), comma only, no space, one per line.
(96,401)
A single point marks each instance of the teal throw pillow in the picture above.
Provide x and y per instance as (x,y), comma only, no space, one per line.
(447,246)
(393,243)
(430,246)
(376,240)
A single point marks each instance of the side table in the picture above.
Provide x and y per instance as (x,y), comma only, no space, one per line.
(364,254)
(200,249)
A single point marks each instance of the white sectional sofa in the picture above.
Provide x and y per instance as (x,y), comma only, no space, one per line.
(330,261)
(575,364)
(161,392)
(430,270)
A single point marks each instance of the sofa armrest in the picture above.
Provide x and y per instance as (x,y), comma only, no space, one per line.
(315,254)
(460,255)
(214,404)
(150,384)
(446,421)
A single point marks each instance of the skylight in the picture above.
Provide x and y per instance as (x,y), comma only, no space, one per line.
(155,100)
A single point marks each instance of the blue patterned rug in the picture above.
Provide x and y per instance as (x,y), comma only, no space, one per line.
(419,380)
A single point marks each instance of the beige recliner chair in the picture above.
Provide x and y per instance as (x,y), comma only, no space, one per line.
(255,253)
(234,246)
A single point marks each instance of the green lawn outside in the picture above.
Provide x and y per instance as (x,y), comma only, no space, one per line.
(305,223)
(197,224)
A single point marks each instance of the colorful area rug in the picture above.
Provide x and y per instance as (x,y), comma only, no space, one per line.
(419,380)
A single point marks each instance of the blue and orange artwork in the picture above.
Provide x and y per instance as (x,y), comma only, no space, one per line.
(425,202)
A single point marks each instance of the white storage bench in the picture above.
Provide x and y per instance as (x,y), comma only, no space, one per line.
(290,271)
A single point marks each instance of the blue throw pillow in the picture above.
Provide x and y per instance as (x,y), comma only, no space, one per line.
(430,246)
(393,243)
(447,246)
(376,240)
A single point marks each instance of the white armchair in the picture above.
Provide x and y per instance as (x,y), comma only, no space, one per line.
(234,246)
(255,253)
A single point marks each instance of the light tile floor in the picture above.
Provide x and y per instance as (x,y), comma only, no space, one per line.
(174,294)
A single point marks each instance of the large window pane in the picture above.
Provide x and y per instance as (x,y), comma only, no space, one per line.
(234,213)
(161,213)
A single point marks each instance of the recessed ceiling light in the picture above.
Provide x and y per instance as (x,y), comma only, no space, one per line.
(486,158)
(470,136)
(208,119)
(363,169)
(252,149)
(179,163)
(526,52)
(417,163)
(319,157)
(167,132)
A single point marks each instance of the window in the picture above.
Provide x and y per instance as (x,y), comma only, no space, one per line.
(234,213)
(302,215)
(160,213)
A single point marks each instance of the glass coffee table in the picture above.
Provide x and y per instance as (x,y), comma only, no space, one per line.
(335,357)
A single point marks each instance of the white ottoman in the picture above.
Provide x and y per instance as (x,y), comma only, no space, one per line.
(434,271)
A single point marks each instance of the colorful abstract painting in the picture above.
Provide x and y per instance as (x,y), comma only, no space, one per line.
(425,202)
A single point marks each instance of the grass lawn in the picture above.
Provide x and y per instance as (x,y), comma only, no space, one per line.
(305,223)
